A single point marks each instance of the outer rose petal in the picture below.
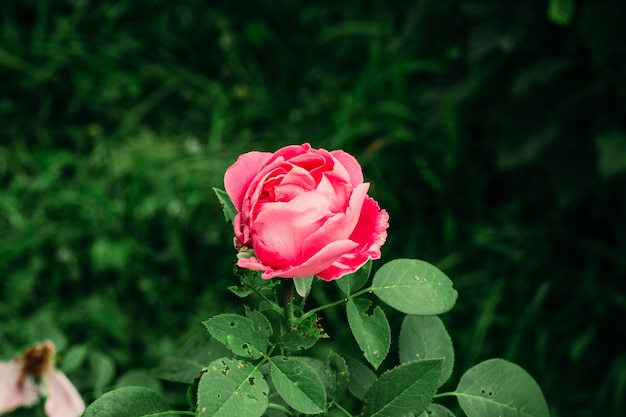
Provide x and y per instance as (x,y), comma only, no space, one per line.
(12,395)
(351,165)
(239,175)
(63,399)
(370,233)
(320,261)
(339,226)
(290,151)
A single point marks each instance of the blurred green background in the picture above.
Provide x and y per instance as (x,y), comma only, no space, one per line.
(493,132)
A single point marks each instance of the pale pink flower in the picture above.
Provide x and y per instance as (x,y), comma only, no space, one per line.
(24,379)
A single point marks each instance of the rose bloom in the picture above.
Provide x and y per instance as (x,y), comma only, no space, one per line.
(304,212)
(25,378)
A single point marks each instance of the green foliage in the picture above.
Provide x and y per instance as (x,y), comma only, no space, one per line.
(227,205)
(303,335)
(337,376)
(127,402)
(243,336)
(309,386)
(361,378)
(491,133)
(426,337)
(231,387)
(436,410)
(371,330)
(353,282)
(186,363)
(403,390)
(298,384)
(414,287)
(561,12)
(303,286)
(500,388)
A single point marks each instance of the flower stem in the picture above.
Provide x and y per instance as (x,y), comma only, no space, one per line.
(290,318)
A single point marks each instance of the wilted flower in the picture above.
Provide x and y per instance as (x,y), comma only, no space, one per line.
(25,378)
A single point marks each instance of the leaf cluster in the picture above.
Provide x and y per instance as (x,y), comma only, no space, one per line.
(268,372)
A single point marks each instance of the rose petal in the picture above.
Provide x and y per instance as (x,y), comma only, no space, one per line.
(318,262)
(63,399)
(370,233)
(346,264)
(289,152)
(239,175)
(294,183)
(351,165)
(281,229)
(339,226)
(12,393)
(371,230)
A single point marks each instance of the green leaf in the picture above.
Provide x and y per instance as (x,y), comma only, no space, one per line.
(139,378)
(436,410)
(500,388)
(371,331)
(537,74)
(73,358)
(227,205)
(425,337)
(230,388)
(414,287)
(303,285)
(561,12)
(611,151)
(127,402)
(361,378)
(405,389)
(241,335)
(261,320)
(44,326)
(298,384)
(102,371)
(304,335)
(337,375)
(249,282)
(187,361)
(349,284)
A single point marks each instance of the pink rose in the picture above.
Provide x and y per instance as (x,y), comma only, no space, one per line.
(304,212)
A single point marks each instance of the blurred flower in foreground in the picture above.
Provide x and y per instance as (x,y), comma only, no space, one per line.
(25,378)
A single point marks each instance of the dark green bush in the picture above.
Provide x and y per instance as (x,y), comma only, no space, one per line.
(494,133)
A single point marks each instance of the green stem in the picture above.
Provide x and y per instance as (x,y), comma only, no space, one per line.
(343,410)
(279,407)
(335,303)
(287,285)
(446,394)
(272,304)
